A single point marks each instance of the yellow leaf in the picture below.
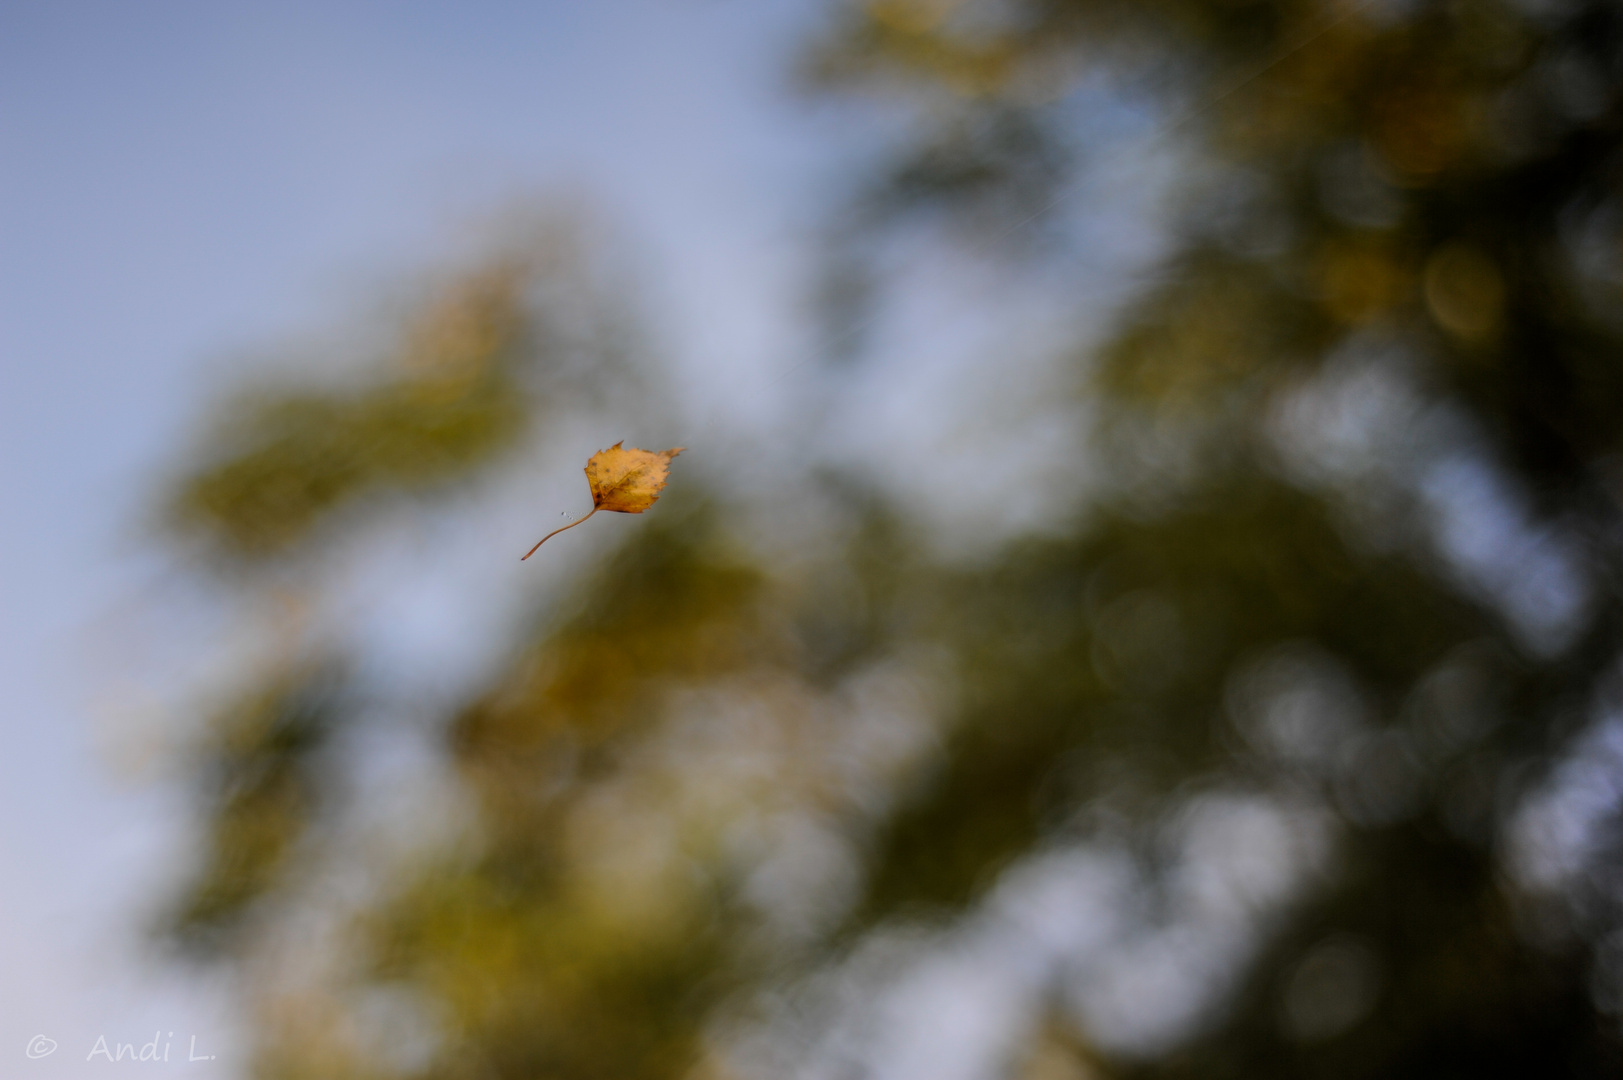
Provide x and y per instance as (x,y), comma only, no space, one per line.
(625,481)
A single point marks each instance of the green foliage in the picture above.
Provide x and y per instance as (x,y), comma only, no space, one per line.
(537,962)
(1112,650)
(284,460)
(262,784)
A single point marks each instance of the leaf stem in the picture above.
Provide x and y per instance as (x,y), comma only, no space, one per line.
(553,533)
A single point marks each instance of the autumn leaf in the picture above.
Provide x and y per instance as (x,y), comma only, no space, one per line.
(625,481)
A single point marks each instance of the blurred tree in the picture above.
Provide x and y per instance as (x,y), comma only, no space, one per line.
(1356,562)
(1378,296)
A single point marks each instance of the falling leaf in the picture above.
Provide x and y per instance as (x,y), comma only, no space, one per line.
(625,481)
